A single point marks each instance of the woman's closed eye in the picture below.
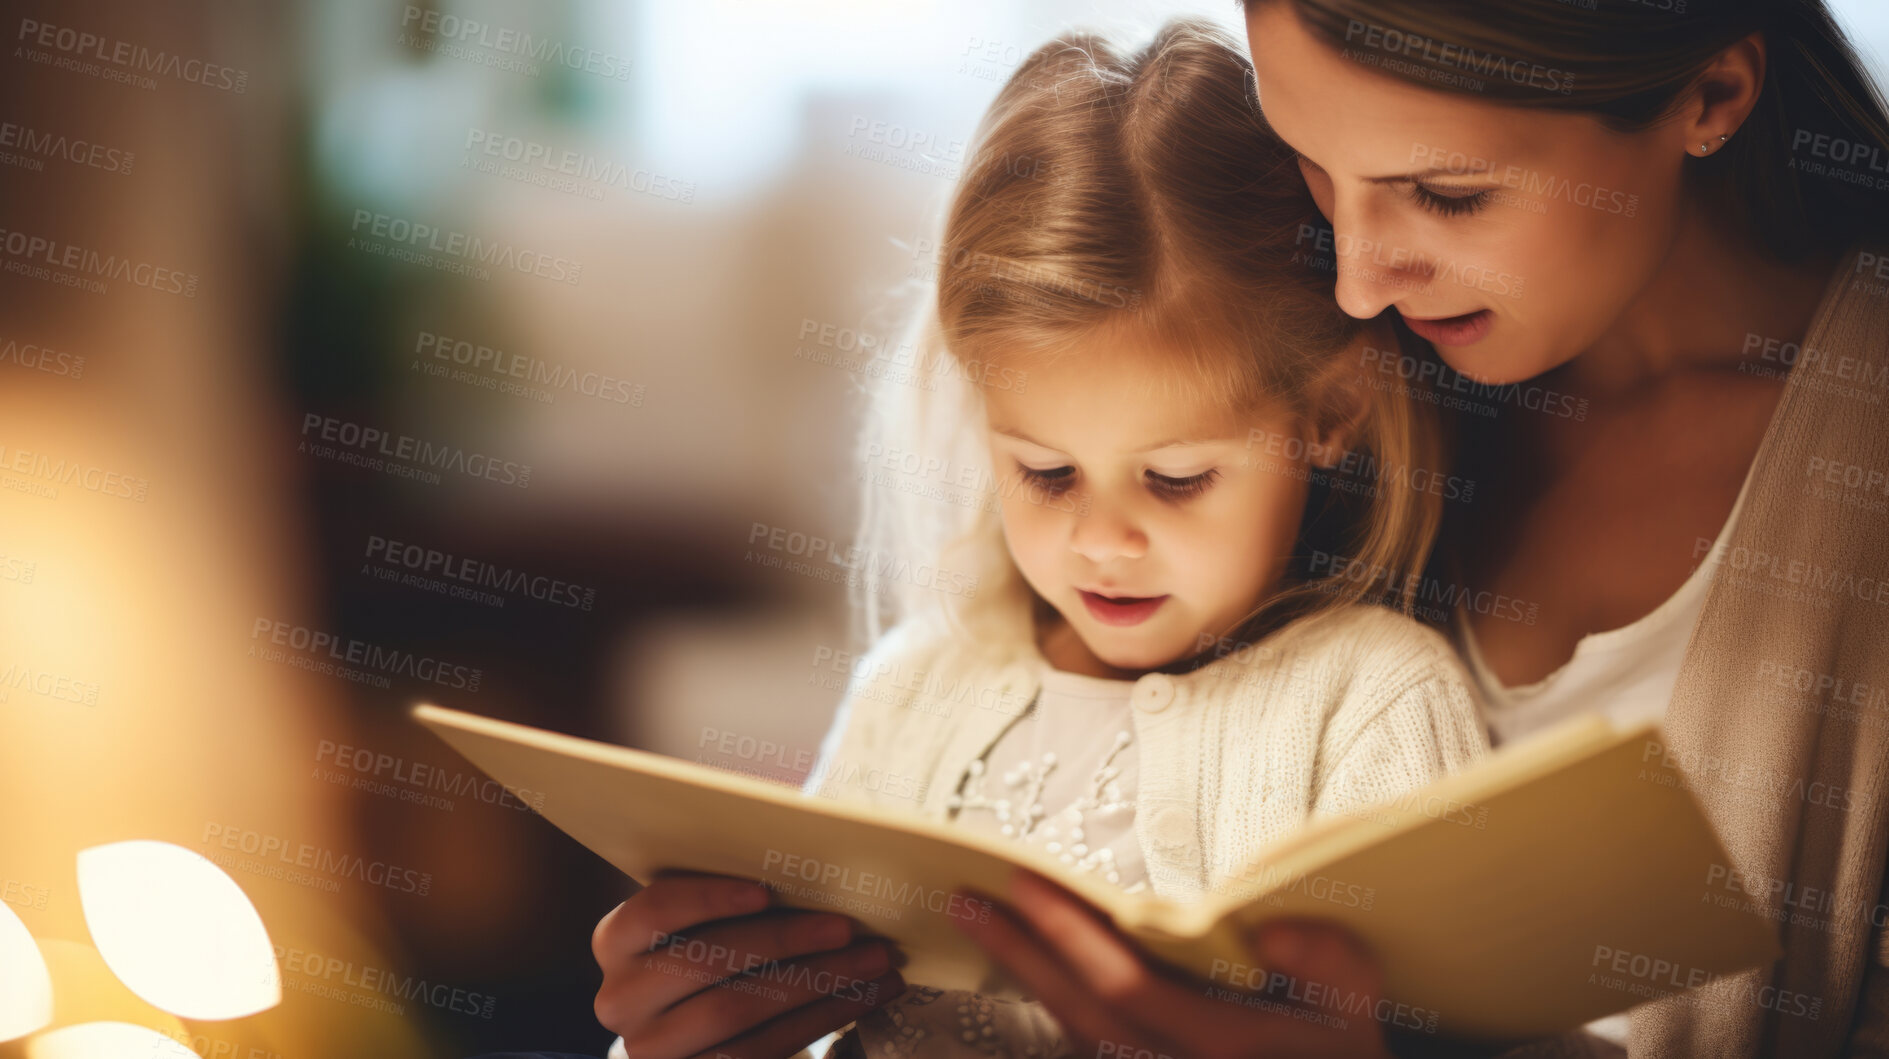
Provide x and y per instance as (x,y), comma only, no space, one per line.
(1056,479)
(1450,202)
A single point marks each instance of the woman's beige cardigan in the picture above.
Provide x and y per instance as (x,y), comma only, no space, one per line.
(1795,780)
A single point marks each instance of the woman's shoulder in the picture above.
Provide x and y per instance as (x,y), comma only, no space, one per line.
(1853,302)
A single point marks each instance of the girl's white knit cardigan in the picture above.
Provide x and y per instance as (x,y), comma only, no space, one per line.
(1323,716)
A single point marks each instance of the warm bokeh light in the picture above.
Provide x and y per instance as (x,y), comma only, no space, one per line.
(106,1040)
(178,931)
(25,984)
(85,990)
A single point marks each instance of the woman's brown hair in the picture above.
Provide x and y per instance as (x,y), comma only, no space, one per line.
(1630,63)
(1117,193)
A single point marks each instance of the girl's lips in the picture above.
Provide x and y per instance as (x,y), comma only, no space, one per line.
(1453,330)
(1121,610)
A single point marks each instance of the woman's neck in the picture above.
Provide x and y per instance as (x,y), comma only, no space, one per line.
(1713,295)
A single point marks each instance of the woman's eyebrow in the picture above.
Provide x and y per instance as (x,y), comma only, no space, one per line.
(1477,167)
(1404,178)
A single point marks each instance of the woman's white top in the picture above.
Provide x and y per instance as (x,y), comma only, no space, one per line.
(1625,674)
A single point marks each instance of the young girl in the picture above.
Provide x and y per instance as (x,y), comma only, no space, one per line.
(1151,643)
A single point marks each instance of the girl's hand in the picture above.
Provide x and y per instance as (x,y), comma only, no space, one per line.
(701,963)
(1119,1003)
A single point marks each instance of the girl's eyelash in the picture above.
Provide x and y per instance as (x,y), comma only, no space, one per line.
(1183,488)
(1054,478)
(1448,205)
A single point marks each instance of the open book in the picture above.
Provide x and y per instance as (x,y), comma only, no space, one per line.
(1560,879)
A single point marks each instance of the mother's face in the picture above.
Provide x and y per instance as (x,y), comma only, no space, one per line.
(1541,227)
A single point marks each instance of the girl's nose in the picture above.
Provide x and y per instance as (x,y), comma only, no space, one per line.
(1107,533)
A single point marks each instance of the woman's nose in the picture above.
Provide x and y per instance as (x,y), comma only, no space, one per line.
(1374,269)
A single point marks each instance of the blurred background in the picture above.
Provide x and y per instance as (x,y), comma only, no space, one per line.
(355,354)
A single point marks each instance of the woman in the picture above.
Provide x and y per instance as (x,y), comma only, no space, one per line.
(1668,223)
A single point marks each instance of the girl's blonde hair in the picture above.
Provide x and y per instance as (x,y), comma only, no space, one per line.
(1115,193)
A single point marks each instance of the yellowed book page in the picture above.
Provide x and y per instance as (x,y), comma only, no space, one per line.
(1576,879)
(897,873)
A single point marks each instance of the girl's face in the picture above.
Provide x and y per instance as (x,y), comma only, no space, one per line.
(1145,519)
(1534,230)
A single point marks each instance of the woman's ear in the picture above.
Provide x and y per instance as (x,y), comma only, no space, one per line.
(1723,97)
(1342,400)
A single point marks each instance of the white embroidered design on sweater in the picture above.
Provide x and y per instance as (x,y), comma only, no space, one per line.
(1026,819)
